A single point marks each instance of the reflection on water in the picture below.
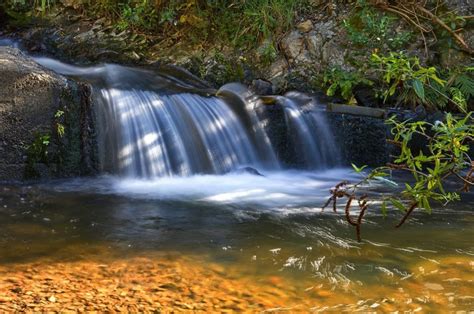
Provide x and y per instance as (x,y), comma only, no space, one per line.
(267,231)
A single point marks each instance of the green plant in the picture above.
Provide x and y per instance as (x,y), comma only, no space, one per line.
(60,128)
(229,70)
(446,155)
(246,23)
(369,27)
(38,150)
(139,15)
(168,15)
(460,85)
(339,81)
(405,75)
(416,84)
(41,5)
(267,53)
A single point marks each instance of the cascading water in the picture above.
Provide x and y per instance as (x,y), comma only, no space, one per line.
(310,132)
(151,126)
(180,134)
(156,125)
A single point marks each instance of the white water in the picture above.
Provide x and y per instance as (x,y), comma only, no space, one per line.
(285,188)
(154,126)
(310,133)
(180,134)
(282,191)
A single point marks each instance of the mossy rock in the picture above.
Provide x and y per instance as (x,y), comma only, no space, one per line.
(30,99)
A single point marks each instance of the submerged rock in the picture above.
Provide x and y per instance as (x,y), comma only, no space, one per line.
(248,170)
(46,123)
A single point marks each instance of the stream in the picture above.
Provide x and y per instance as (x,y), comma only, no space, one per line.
(196,211)
(268,231)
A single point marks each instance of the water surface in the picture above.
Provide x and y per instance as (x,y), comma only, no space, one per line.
(263,229)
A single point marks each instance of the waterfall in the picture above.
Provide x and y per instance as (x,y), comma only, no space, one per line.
(168,123)
(179,134)
(310,133)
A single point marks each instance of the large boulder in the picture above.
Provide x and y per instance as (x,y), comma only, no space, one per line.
(46,121)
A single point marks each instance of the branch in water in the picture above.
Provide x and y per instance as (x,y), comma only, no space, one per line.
(408,213)
(336,192)
(363,207)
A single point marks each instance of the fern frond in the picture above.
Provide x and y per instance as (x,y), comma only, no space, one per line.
(436,95)
(458,97)
(465,84)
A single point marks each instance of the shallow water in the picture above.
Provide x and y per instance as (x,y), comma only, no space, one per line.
(268,231)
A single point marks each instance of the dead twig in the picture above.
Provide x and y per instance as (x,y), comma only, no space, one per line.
(420,11)
(438,21)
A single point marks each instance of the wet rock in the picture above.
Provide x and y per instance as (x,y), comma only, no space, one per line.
(248,170)
(30,97)
(273,120)
(362,139)
(262,87)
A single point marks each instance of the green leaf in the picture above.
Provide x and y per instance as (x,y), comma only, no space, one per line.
(397,204)
(357,169)
(387,181)
(332,89)
(426,204)
(384,209)
(59,114)
(419,89)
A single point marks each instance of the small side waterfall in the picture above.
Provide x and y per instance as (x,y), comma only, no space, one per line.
(310,132)
(168,123)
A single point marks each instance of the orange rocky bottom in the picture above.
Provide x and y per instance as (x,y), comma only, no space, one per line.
(172,282)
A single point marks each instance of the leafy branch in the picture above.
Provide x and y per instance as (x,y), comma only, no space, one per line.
(404,76)
(447,155)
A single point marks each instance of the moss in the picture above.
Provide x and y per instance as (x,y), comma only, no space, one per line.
(76,154)
(37,152)
(69,152)
(68,148)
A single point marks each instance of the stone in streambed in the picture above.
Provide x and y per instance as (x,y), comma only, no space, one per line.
(248,170)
